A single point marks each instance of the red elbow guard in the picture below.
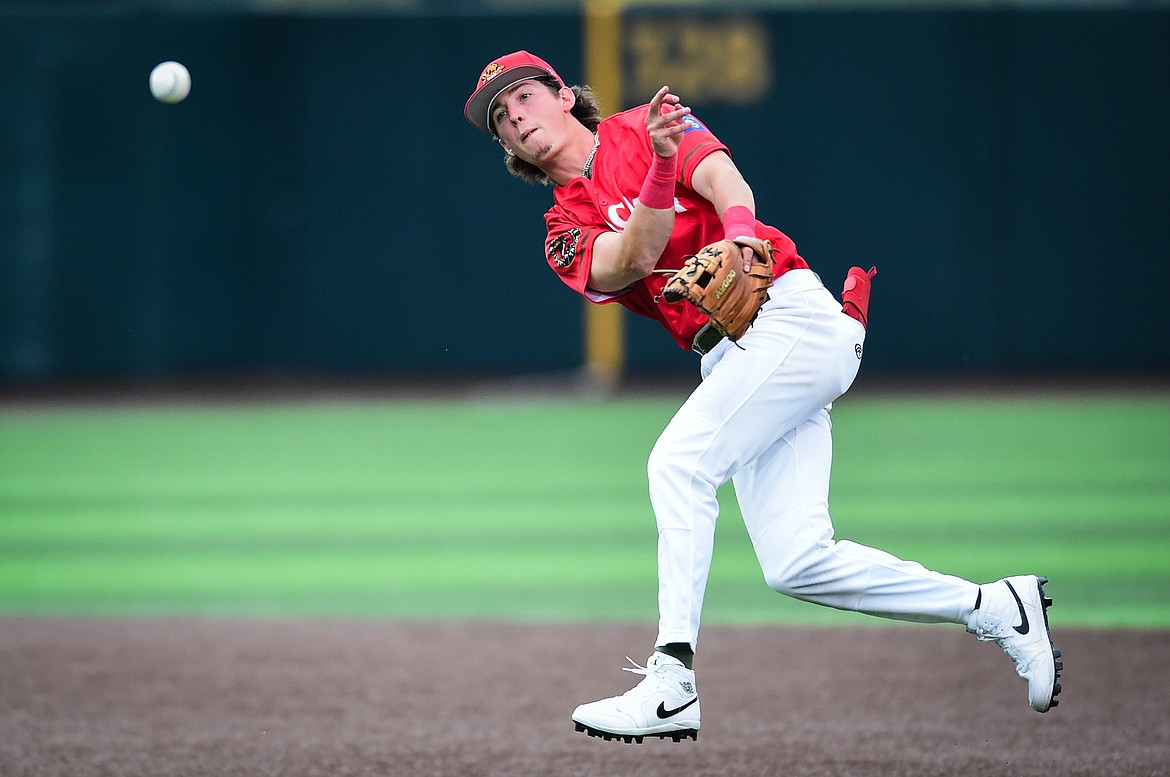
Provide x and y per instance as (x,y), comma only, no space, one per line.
(855,295)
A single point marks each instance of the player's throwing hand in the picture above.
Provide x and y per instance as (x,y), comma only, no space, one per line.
(664,122)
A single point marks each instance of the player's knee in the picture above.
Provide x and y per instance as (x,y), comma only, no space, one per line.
(667,460)
(782,580)
(662,466)
(683,449)
(793,585)
(792,570)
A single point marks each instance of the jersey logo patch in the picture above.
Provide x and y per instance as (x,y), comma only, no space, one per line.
(563,247)
(692,124)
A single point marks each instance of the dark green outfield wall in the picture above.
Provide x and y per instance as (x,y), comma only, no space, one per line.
(1007,171)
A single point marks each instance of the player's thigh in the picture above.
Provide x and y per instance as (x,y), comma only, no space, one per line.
(786,487)
(752,396)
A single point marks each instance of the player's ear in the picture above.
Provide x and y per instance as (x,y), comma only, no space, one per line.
(504,146)
(568,99)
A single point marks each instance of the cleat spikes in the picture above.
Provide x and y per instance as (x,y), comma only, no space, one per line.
(636,739)
(679,736)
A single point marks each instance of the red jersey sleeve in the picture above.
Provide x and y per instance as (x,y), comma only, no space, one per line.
(573,225)
(696,145)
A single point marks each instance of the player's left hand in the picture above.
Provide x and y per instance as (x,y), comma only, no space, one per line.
(709,281)
(748,257)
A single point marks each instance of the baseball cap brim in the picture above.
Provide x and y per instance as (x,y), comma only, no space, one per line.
(496,78)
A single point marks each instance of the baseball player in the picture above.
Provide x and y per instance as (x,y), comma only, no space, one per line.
(634,194)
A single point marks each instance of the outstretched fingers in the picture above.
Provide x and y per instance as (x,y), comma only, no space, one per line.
(665,121)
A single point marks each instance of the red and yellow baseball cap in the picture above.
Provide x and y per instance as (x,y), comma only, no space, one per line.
(499,75)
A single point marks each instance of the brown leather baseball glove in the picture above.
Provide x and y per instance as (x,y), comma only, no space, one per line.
(715,282)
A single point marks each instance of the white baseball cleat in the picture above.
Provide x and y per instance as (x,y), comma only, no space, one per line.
(665,704)
(1014,614)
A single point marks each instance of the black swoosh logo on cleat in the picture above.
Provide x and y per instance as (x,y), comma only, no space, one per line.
(1024,626)
(664,713)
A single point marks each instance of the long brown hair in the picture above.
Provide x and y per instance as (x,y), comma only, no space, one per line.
(585,110)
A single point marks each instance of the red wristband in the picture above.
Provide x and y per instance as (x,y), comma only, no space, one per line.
(658,188)
(738,221)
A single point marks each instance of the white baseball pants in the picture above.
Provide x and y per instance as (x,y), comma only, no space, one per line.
(761,418)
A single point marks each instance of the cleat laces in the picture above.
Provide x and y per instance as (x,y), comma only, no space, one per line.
(994,631)
(654,680)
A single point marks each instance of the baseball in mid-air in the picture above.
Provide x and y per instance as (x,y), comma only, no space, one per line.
(170,82)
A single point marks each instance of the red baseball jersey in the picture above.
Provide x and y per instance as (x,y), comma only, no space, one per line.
(586,207)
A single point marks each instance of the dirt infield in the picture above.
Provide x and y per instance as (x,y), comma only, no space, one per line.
(224,697)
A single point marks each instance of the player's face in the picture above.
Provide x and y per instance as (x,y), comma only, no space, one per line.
(529,119)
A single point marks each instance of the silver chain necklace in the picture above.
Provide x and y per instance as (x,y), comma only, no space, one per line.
(587,168)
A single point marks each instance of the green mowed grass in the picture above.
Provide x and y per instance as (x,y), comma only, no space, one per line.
(537,510)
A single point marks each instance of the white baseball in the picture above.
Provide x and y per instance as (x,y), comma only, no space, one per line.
(170,82)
